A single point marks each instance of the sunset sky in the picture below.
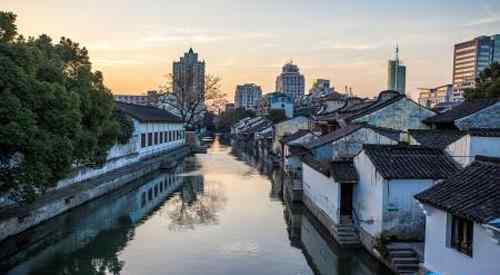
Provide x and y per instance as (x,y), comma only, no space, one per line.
(135,42)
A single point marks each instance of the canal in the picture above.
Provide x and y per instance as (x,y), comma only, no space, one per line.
(218,213)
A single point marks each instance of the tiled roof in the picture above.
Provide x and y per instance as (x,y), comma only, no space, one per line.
(297,150)
(473,193)
(349,129)
(462,110)
(330,137)
(410,162)
(291,137)
(350,112)
(147,113)
(436,138)
(343,171)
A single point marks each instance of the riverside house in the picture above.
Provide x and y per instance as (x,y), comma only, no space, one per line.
(389,177)
(462,234)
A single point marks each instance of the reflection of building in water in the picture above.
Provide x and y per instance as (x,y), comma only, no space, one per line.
(293,216)
(326,257)
(276,184)
(100,228)
(193,186)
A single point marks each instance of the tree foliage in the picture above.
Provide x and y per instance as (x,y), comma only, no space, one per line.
(487,85)
(55,112)
(181,96)
(230,117)
(276,115)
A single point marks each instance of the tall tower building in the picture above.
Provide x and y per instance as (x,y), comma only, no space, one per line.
(470,58)
(247,96)
(291,81)
(189,74)
(396,75)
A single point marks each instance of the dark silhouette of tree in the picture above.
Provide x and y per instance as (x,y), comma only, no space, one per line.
(276,116)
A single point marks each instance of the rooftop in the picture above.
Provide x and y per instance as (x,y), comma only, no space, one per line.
(462,110)
(147,113)
(472,193)
(438,139)
(410,162)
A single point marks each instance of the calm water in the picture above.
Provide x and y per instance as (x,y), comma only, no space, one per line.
(215,214)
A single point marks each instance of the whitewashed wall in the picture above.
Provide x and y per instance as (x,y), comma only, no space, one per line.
(352,144)
(158,127)
(368,195)
(403,216)
(323,191)
(402,115)
(468,147)
(440,258)
(287,127)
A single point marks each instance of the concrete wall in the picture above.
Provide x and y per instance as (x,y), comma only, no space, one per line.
(351,145)
(368,196)
(468,147)
(440,258)
(323,191)
(287,127)
(403,217)
(402,115)
(486,118)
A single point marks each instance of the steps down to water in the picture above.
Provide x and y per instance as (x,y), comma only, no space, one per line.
(404,260)
(345,234)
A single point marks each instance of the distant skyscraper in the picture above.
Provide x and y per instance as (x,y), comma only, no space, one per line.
(290,81)
(190,73)
(470,58)
(396,78)
(247,96)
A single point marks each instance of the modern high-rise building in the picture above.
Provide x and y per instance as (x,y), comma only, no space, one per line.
(189,74)
(430,97)
(470,58)
(291,82)
(396,75)
(247,96)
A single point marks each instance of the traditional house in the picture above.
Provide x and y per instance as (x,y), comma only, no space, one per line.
(328,187)
(475,142)
(389,177)
(276,101)
(483,113)
(156,131)
(346,142)
(389,110)
(463,221)
(293,148)
(287,127)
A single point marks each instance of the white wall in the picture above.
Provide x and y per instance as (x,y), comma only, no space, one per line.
(485,258)
(403,216)
(468,147)
(352,144)
(368,195)
(323,191)
(287,127)
(158,127)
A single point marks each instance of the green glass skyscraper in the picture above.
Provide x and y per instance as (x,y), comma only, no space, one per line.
(396,75)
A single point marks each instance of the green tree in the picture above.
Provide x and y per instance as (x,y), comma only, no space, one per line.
(276,116)
(229,118)
(55,112)
(487,85)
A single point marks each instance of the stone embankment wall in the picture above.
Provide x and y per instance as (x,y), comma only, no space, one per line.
(16,219)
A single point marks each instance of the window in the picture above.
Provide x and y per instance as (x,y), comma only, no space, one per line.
(150,139)
(156,190)
(150,194)
(461,235)
(161,137)
(156,138)
(143,199)
(170,136)
(143,140)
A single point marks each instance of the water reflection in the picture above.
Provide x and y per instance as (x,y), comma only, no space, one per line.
(219,213)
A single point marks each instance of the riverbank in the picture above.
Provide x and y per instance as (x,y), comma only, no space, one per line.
(16,219)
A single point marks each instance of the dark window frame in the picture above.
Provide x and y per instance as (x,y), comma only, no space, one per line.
(143,140)
(150,139)
(462,235)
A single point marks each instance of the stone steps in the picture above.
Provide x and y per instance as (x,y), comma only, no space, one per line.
(404,260)
(345,233)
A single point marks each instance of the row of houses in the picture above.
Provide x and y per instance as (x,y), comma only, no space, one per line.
(420,190)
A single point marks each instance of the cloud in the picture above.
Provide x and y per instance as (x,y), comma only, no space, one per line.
(483,21)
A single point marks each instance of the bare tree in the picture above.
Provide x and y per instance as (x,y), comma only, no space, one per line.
(184,97)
